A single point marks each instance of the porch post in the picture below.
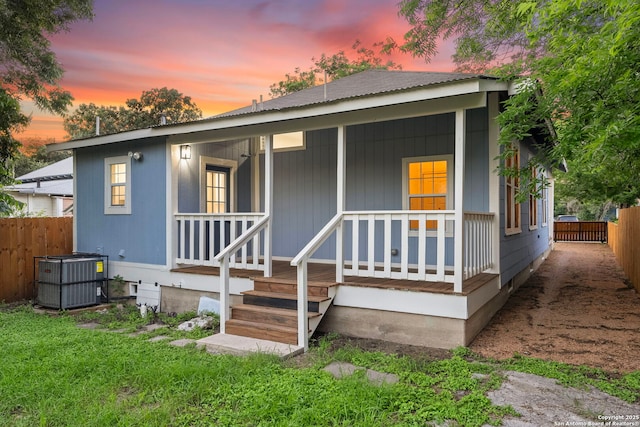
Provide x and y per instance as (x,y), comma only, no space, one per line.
(494,179)
(458,266)
(341,192)
(268,202)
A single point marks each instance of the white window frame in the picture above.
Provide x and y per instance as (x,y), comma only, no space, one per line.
(533,203)
(450,187)
(282,141)
(108,208)
(232,165)
(516,208)
(545,206)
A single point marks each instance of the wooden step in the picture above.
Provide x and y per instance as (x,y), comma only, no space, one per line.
(287,286)
(263,331)
(281,300)
(268,315)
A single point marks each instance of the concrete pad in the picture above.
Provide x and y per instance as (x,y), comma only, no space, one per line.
(158,338)
(241,346)
(343,369)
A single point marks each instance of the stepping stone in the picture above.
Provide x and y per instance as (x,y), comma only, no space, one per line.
(158,338)
(182,342)
(342,369)
(89,325)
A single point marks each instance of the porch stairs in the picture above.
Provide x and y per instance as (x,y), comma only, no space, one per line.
(269,311)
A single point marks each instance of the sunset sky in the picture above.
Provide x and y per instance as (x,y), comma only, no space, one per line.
(221,53)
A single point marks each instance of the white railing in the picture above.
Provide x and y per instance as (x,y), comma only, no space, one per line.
(203,236)
(478,242)
(300,261)
(400,234)
(224,257)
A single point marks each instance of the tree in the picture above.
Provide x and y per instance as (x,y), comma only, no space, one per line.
(578,66)
(34,155)
(136,114)
(333,67)
(29,69)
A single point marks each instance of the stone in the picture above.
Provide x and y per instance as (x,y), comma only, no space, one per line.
(202,322)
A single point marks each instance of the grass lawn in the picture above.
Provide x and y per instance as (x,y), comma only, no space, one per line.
(53,373)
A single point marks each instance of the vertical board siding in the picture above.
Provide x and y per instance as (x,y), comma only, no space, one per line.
(624,240)
(519,250)
(22,239)
(141,235)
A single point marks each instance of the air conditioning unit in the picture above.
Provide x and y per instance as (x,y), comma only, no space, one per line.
(71,281)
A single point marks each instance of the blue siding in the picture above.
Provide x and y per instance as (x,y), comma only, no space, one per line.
(517,251)
(140,234)
(305,180)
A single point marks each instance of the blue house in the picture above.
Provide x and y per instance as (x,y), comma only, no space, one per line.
(369,206)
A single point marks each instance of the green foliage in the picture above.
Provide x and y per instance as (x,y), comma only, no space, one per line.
(136,114)
(577,63)
(30,69)
(331,67)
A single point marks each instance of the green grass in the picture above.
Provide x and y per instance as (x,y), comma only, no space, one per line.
(55,374)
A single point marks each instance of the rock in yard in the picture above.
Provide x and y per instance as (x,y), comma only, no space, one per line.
(202,322)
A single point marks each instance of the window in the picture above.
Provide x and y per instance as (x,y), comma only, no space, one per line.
(427,185)
(217,184)
(117,178)
(217,191)
(512,185)
(286,141)
(533,203)
(545,206)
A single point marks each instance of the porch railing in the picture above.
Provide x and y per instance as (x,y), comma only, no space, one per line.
(224,257)
(203,236)
(478,242)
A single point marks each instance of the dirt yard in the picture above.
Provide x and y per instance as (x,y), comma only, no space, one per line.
(576,308)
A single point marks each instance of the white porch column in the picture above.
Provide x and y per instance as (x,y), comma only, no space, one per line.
(171,204)
(458,266)
(494,179)
(268,203)
(341,201)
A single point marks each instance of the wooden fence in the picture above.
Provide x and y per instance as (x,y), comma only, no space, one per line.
(580,231)
(624,240)
(21,239)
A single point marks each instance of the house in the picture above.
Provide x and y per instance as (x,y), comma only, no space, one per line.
(47,191)
(369,206)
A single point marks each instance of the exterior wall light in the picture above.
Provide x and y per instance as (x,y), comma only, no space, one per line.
(185,152)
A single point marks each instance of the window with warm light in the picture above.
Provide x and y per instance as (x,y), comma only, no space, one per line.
(217,190)
(117,177)
(511,186)
(428,182)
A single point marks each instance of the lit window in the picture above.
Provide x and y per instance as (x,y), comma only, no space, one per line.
(217,190)
(427,186)
(533,203)
(512,185)
(286,141)
(117,197)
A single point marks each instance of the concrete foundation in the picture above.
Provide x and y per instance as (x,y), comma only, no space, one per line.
(179,300)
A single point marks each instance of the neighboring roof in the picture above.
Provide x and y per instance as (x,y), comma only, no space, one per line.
(366,83)
(363,91)
(55,180)
(58,170)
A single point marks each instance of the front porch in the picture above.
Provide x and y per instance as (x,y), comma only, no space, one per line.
(282,270)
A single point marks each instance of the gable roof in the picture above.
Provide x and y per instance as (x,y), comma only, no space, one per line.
(55,179)
(359,93)
(366,83)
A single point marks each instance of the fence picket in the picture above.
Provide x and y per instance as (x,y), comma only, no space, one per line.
(20,240)
(624,238)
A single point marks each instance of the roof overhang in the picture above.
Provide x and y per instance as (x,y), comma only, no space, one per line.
(427,100)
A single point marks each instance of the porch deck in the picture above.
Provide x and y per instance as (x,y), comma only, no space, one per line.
(327,273)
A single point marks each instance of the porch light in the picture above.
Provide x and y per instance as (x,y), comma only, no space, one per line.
(185,152)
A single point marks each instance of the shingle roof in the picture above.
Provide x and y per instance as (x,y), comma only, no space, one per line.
(60,170)
(366,83)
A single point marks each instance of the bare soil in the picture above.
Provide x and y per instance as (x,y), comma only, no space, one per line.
(577,308)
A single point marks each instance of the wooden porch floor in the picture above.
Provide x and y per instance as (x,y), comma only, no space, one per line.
(327,273)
